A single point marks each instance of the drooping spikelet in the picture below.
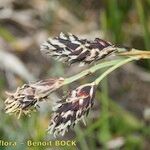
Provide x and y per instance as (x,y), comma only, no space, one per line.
(71,49)
(71,109)
(27,97)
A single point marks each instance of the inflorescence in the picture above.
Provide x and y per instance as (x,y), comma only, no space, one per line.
(29,95)
(74,106)
(69,48)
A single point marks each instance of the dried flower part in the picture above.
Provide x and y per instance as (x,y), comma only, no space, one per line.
(27,97)
(71,49)
(71,109)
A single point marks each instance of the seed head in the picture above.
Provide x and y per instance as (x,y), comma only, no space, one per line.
(71,109)
(69,48)
(29,95)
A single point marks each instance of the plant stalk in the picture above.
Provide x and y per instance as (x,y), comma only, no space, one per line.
(135,52)
(91,70)
(101,77)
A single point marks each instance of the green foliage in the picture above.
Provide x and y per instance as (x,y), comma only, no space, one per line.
(4,33)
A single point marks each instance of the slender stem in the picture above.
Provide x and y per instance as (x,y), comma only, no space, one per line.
(113,68)
(91,70)
(134,52)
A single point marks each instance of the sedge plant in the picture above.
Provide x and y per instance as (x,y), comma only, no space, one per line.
(76,104)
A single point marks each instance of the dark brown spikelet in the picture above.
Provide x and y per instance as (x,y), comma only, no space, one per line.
(71,49)
(27,97)
(72,109)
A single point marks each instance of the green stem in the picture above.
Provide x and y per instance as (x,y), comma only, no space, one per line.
(91,70)
(113,68)
(133,52)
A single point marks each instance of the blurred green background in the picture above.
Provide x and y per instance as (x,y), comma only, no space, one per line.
(121,115)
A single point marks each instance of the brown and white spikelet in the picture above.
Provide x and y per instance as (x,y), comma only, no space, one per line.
(71,109)
(29,95)
(69,48)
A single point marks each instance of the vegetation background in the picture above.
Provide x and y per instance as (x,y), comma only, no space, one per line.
(121,115)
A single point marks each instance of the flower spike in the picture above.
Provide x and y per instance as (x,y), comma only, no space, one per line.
(71,109)
(27,97)
(71,49)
